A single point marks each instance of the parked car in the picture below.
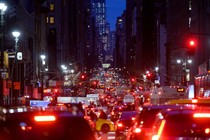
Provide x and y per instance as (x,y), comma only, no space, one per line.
(125,121)
(188,123)
(50,123)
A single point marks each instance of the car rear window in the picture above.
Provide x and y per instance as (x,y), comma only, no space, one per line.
(186,125)
(148,116)
(128,115)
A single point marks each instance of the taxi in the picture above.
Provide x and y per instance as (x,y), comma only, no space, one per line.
(104,125)
(97,122)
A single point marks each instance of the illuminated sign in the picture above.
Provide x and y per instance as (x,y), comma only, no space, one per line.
(39,103)
(180,89)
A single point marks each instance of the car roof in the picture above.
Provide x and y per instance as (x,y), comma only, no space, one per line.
(43,123)
(58,110)
(185,110)
(160,106)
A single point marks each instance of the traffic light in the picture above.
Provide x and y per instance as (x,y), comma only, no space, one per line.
(191,45)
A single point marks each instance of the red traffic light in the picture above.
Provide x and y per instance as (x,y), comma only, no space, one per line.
(191,46)
(191,43)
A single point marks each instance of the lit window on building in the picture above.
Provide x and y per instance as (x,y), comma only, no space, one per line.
(52,6)
(47,19)
(52,20)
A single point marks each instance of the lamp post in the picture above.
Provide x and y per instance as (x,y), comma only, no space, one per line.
(64,69)
(185,73)
(16,84)
(43,57)
(3,8)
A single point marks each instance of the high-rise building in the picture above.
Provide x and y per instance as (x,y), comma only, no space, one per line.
(99,13)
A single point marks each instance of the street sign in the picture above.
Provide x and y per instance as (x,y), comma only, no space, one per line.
(3,70)
(19,56)
(9,84)
(17,85)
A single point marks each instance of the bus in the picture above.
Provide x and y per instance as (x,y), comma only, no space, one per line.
(202,85)
(166,93)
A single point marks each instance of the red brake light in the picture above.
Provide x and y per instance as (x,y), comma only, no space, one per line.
(207,130)
(137,130)
(119,124)
(201,115)
(44,118)
(133,118)
(194,101)
(160,130)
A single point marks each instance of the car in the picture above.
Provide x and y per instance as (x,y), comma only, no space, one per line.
(115,113)
(141,130)
(99,120)
(103,124)
(43,123)
(125,121)
(189,122)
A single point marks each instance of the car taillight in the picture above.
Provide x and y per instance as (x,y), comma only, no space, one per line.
(207,130)
(49,118)
(201,115)
(119,124)
(133,118)
(160,130)
(155,137)
(137,130)
(194,101)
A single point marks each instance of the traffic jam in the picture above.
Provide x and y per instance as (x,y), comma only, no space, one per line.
(110,110)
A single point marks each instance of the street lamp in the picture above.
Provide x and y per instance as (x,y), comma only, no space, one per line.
(43,57)
(16,34)
(16,84)
(185,69)
(65,71)
(3,8)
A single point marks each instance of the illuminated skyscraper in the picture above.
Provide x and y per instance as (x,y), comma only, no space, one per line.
(99,13)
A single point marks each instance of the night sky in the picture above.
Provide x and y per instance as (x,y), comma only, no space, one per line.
(115,8)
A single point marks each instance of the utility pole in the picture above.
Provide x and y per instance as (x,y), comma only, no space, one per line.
(3,8)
